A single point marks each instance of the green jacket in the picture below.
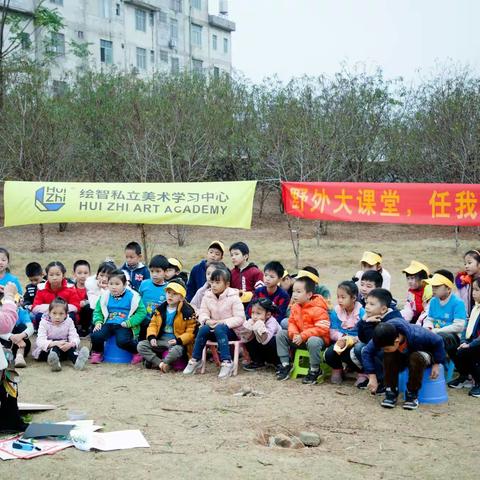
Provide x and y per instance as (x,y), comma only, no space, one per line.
(135,317)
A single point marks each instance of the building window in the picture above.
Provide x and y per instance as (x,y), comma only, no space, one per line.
(141,59)
(106,8)
(57,2)
(225,45)
(216,72)
(58,43)
(140,20)
(162,16)
(106,52)
(173,29)
(197,66)
(80,34)
(152,18)
(175,65)
(152,58)
(164,56)
(176,5)
(196,35)
(117,9)
(197,4)
(214,42)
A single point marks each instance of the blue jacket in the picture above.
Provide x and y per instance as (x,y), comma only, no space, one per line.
(418,339)
(197,279)
(365,329)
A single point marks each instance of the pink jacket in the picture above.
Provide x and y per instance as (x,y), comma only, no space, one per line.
(48,332)
(8,316)
(227,309)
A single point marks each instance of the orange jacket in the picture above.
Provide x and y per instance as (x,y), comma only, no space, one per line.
(310,320)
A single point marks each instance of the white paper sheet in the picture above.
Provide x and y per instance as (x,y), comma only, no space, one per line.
(120,440)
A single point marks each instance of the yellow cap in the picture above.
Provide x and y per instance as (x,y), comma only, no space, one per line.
(285,274)
(437,280)
(245,297)
(306,274)
(416,267)
(177,288)
(218,245)
(175,262)
(371,258)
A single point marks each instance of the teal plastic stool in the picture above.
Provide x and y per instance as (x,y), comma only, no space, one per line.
(432,391)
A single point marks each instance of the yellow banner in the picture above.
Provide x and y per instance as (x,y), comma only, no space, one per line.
(219,204)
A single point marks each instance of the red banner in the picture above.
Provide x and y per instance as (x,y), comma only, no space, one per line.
(419,203)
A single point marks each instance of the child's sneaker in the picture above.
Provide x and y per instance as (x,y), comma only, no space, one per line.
(54,361)
(253,366)
(137,358)
(283,372)
(475,391)
(312,377)
(20,361)
(96,358)
(381,389)
(390,399)
(226,369)
(459,382)
(362,381)
(81,359)
(192,366)
(337,376)
(411,401)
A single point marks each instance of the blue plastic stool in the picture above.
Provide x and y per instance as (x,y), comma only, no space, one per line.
(450,369)
(432,391)
(113,354)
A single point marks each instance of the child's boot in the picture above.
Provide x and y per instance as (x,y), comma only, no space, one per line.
(54,361)
(81,359)
(137,358)
(20,361)
(337,376)
(96,358)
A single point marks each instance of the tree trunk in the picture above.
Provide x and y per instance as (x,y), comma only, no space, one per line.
(264,193)
(294,228)
(143,234)
(457,241)
(181,234)
(62,227)
(42,237)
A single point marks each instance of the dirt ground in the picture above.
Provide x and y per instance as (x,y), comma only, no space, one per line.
(196,426)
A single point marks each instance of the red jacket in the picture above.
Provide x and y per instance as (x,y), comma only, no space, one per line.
(248,279)
(310,320)
(47,295)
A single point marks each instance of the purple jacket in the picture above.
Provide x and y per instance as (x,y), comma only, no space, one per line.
(48,332)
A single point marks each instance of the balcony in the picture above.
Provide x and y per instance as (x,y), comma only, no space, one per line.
(21,6)
(222,23)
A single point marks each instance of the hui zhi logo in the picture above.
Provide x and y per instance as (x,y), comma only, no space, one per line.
(50,199)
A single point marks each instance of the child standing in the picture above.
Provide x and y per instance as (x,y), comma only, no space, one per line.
(172,329)
(373,261)
(464,279)
(81,272)
(446,313)
(98,284)
(196,302)
(246,276)
(35,275)
(58,339)
(419,293)
(119,312)
(273,272)
(308,327)
(221,314)
(467,358)
(259,335)
(404,346)
(152,290)
(197,278)
(133,266)
(5,275)
(343,331)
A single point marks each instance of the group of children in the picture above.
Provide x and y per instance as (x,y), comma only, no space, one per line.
(164,318)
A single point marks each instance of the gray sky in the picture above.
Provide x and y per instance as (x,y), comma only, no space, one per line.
(296,37)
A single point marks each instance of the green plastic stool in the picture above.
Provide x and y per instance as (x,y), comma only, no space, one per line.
(301,365)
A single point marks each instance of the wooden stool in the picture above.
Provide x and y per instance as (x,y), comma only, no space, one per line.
(214,349)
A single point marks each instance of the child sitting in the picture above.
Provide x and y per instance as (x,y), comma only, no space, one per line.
(246,276)
(197,278)
(196,302)
(56,286)
(467,358)
(98,284)
(18,340)
(446,313)
(119,312)
(419,293)
(404,346)
(81,272)
(373,261)
(172,329)
(370,280)
(133,266)
(221,314)
(58,339)
(343,331)
(259,334)
(308,327)
(273,272)
(34,272)
(5,275)
(174,271)
(464,279)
